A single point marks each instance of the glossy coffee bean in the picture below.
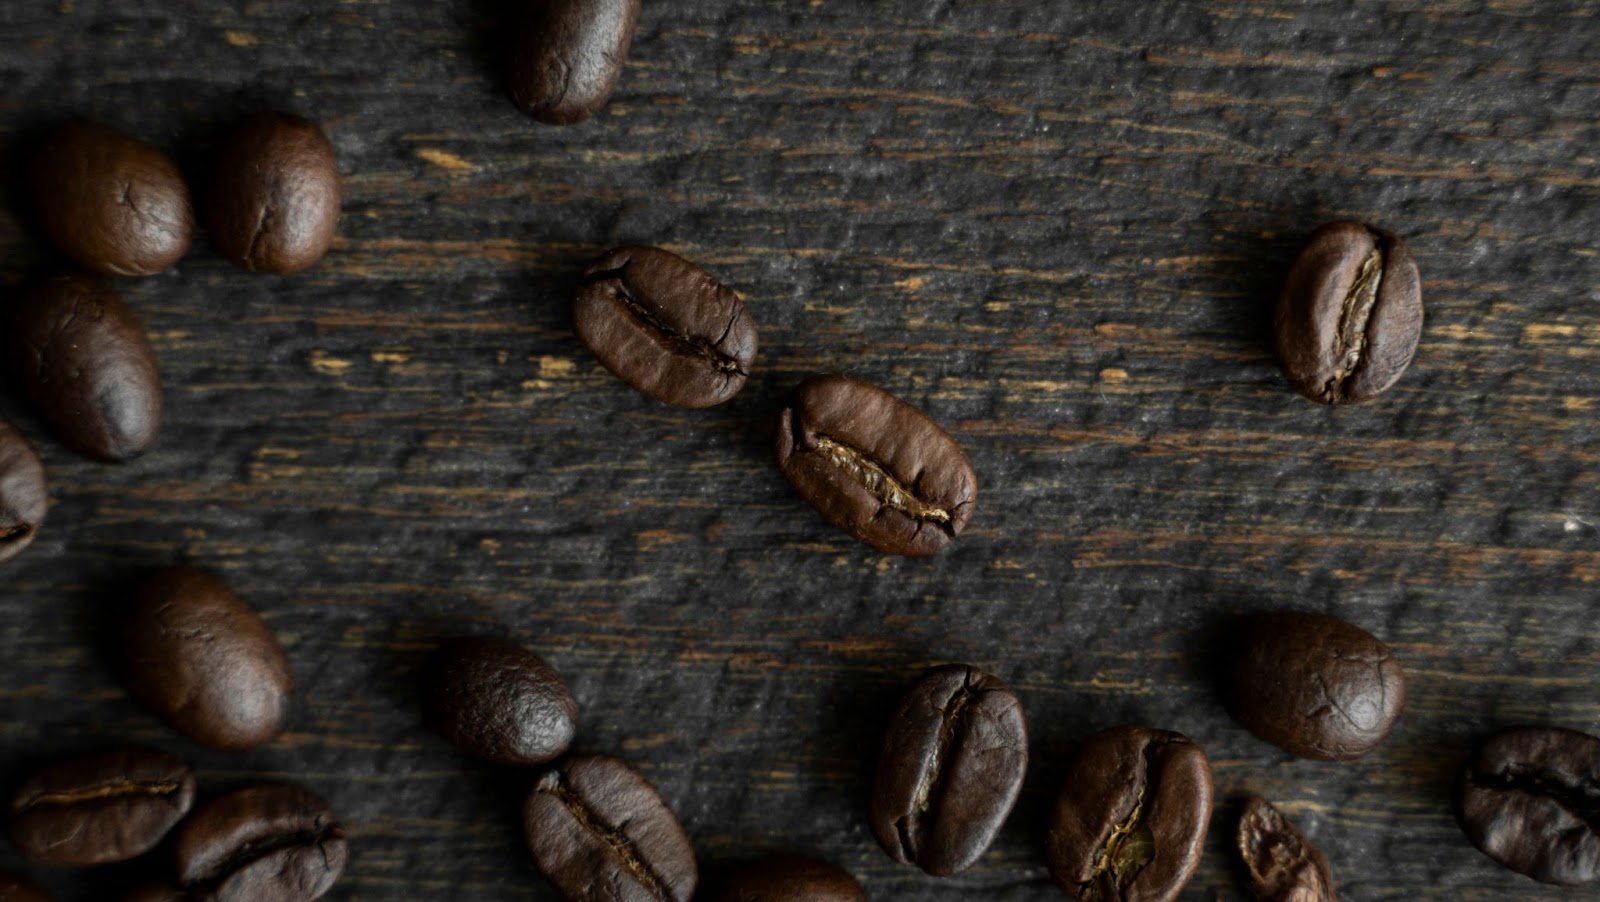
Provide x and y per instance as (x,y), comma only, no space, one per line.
(274,201)
(82,357)
(568,56)
(1529,798)
(271,843)
(23,499)
(1281,864)
(205,661)
(100,808)
(111,202)
(788,878)
(950,770)
(1315,686)
(498,701)
(1350,316)
(16,889)
(665,326)
(601,833)
(875,466)
(1131,821)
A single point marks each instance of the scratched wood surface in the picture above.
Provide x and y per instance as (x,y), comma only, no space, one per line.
(1056,227)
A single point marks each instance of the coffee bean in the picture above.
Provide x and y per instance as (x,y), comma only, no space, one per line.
(1529,798)
(788,878)
(111,202)
(601,833)
(82,357)
(1315,686)
(875,466)
(23,499)
(1131,821)
(498,701)
(270,843)
(950,770)
(16,889)
(1350,316)
(100,808)
(1282,865)
(274,202)
(205,661)
(568,56)
(665,326)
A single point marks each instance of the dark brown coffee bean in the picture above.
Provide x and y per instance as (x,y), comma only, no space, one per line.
(83,358)
(568,56)
(788,878)
(1350,316)
(111,202)
(665,327)
(498,701)
(271,843)
(1315,686)
(16,889)
(1283,866)
(875,466)
(601,833)
(1131,821)
(1529,798)
(101,808)
(205,661)
(950,770)
(23,499)
(274,202)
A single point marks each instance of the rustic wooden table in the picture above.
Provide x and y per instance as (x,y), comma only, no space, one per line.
(1056,227)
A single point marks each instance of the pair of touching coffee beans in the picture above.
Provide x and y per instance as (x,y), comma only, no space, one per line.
(596,828)
(208,665)
(270,841)
(120,207)
(871,464)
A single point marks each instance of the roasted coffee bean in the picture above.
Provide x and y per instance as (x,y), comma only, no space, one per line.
(111,202)
(271,843)
(1350,316)
(274,202)
(16,889)
(665,327)
(23,500)
(788,878)
(1529,798)
(1283,866)
(101,808)
(1315,686)
(568,56)
(205,661)
(498,701)
(1131,821)
(601,833)
(950,770)
(875,466)
(82,356)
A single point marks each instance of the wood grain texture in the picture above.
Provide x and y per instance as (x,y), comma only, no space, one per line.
(1056,227)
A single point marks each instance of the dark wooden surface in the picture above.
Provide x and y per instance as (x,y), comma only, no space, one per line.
(1057,227)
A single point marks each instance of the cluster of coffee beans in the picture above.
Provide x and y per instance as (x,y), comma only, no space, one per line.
(207,664)
(597,829)
(118,207)
(195,654)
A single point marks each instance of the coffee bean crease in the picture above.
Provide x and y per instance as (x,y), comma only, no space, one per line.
(128,788)
(875,478)
(611,837)
(1578,797)
(1355,314)
(669,334)
(317,837)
